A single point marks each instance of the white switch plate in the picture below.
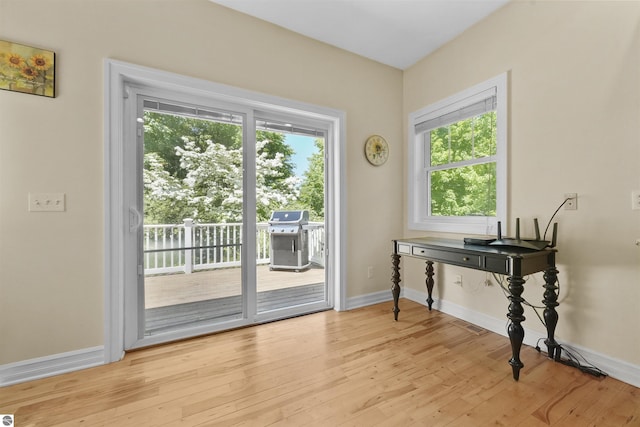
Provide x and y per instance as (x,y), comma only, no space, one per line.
(46,202)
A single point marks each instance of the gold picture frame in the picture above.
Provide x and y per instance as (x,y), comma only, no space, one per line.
(27,69)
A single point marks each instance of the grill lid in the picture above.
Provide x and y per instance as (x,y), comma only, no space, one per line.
(289,217)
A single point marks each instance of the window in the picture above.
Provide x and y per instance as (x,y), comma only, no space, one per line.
(457,161)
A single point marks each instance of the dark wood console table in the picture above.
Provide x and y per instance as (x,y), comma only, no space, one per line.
(511,261)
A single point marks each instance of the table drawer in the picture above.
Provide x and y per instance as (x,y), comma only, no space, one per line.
(473,261)
(496,265)
(404,249)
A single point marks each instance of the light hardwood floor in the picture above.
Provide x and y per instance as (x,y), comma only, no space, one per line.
(356,368)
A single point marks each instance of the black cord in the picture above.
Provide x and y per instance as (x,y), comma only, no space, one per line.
(544,237)
(583,366)
(574,361)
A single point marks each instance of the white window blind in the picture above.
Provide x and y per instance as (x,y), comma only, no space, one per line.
(191,111)
(469,107)
(288,128)
(225,117)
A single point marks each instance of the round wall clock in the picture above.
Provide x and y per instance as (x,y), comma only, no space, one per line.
(376,150)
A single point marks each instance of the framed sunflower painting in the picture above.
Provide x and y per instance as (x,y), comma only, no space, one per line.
(27,69)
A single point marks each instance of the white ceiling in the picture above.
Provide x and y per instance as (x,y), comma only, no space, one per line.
(394,32)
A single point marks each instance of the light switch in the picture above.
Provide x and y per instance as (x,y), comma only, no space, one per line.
(46,202)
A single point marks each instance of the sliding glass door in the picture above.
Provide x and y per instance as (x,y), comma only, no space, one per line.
(210,181)
(291,276)
(192,179)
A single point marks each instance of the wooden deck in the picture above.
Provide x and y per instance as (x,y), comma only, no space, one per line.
(173,289)
(172,301)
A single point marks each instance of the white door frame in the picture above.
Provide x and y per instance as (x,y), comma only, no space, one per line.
(118,218)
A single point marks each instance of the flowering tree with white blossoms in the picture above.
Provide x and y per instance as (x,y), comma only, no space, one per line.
(211,190)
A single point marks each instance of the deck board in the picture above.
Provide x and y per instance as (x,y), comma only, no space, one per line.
(161,319)
(171,289)
(175,300)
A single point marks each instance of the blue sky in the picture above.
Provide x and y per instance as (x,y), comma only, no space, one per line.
(304,147)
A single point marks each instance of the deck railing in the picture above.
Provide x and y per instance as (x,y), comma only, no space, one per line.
(188,247)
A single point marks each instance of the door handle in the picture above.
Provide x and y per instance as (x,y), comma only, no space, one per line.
(135,219)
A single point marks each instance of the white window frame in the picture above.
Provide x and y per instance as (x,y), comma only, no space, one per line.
(419,217)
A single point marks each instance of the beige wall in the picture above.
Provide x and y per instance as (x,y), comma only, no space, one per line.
(574,118)
(51,264)
(574,127)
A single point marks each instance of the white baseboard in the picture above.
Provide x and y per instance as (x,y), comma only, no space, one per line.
(615,368)
(368,299)
(42,367)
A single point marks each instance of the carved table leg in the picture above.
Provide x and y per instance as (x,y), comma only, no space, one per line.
(429,283)
(395,279)
(515,315)
(550,314)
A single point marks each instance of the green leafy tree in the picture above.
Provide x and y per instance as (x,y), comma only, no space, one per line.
(312,188)
(276,147)
(464,190)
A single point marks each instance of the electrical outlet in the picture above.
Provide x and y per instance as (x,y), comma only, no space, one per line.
(46,202)
(369,272)
(572,203)
(458,280)
(635,200)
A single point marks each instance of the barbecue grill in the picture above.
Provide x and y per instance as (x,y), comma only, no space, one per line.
(289,240)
